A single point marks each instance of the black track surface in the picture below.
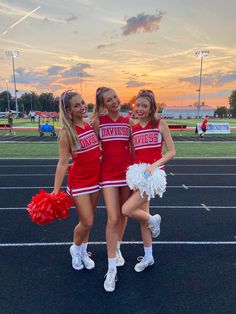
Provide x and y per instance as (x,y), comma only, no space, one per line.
(187,277)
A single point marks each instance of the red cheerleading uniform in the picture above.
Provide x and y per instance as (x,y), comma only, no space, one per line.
(84,174)
(147,143)
(116,154)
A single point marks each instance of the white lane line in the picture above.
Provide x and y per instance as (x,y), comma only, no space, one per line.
(124,243)
(199,165)
(28,175)
(152,206)
(169,165)
(203,174)
(168,174)
(168,186)
(206,207)
(25,166)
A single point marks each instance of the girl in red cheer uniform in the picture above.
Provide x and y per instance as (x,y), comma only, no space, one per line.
(147,177)
(114,133)
(78,140)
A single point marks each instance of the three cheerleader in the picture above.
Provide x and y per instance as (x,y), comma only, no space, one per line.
(116,173)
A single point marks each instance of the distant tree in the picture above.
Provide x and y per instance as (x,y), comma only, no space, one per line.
(232,103)
(126,107)
(90,107)
(56,104)
(4,101)
(131,102)
(221,111)
(47,102)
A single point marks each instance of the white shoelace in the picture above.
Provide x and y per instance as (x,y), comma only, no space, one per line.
(110,276)
(142,261)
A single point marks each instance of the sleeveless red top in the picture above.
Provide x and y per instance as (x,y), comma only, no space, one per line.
(114,136)
(88,148)
(147,143)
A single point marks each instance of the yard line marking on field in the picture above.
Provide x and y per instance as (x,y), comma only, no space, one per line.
(206,207)
(123,242)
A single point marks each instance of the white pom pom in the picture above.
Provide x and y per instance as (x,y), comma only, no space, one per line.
(152,185)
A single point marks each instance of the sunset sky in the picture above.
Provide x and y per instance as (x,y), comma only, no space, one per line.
(125,44)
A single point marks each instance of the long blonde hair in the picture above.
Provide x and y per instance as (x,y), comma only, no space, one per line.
(66,119)
(99,99)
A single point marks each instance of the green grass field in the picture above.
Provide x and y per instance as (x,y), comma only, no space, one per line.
(183,149)
(50,150)
(188,122)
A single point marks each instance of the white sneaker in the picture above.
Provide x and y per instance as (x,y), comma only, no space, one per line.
(120,261)
(77,263)
(87,261)
(155,228)
(110,281)
(142,264)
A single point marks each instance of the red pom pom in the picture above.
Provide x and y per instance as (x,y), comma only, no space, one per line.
(46,207)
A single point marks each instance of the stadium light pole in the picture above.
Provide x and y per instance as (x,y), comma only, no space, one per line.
(200,54)
(8,102)
(14,54)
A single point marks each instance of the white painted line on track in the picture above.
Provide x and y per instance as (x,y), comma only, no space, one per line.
(168,186)
(199,165)
(206,207)
(168,174)
(168,165)
(123,243)
(152,206)
(28,175)
(203,174)
(25,166)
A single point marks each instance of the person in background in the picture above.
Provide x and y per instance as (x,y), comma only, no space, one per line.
(10,119)
(203,127)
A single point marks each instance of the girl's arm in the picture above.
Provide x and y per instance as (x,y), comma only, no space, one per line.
(164,130)
(62,165)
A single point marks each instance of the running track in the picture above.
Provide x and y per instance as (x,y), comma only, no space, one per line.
(195,269)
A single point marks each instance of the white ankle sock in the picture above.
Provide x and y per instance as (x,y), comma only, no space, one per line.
(112,263)
(118,245)
(78,248)
(148,253)
(84,248)
(151,220)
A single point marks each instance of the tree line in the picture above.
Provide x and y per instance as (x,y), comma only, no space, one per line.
(30,101)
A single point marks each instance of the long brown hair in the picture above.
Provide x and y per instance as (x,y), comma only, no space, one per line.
(66,119)
(149,95)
